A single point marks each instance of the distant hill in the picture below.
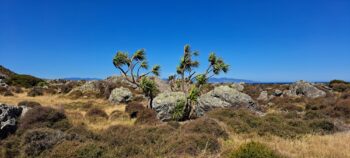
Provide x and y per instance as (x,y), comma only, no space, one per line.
(5,72)
(230,80)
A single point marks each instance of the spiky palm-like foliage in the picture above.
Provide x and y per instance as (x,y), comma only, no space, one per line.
(128,64)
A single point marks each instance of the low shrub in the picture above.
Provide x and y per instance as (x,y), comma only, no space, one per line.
(75,94)
(287,125)
(147,117)
(96,112)
(80,132)
(26,81)
(38,140)
(84,106)
(254,150)
(8,93)
(30,104)
(205,126)
(10,147)
(192,145)
(65,149)
(43,117)
(16,89)
(90,150)
(133,109)
(339,85)
(36,91)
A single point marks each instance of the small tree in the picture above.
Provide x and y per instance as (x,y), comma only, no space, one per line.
(187,79)
(131,68)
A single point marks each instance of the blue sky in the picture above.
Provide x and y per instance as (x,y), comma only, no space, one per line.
(272,40)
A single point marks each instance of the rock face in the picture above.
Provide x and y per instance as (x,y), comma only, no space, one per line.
(223,97)
(302,88)
(238,86)
(8,118)
(165,103)
(120,95)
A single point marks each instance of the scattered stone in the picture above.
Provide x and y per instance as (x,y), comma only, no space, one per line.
(165,103)
(223,97)
(120,95)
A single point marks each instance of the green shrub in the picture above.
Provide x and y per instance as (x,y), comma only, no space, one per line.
(254,150)
(179,110)
(26,81)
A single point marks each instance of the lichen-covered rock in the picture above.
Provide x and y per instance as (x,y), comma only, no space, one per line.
(120,95)
(165,103)
(8,119)
(238,86)
(223,97)
(302,88)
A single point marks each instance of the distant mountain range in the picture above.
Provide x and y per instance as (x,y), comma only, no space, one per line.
(80,78)
(230,80)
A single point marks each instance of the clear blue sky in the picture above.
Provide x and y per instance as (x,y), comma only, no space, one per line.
(270,40)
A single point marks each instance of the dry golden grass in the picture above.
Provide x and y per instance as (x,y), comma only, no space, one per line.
(75,116)
(310,146)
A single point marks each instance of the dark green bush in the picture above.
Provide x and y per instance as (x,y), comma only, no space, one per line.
(254,150)
(26,81)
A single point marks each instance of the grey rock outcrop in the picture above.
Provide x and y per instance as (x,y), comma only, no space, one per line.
(223,97)
(263,96)
(302,88)
(165,103)
(9,116)
(238,86)
(120,95)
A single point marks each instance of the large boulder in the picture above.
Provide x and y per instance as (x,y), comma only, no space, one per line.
(302,88)
(223,97)
(165,103)
(120,95)
(9,116)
